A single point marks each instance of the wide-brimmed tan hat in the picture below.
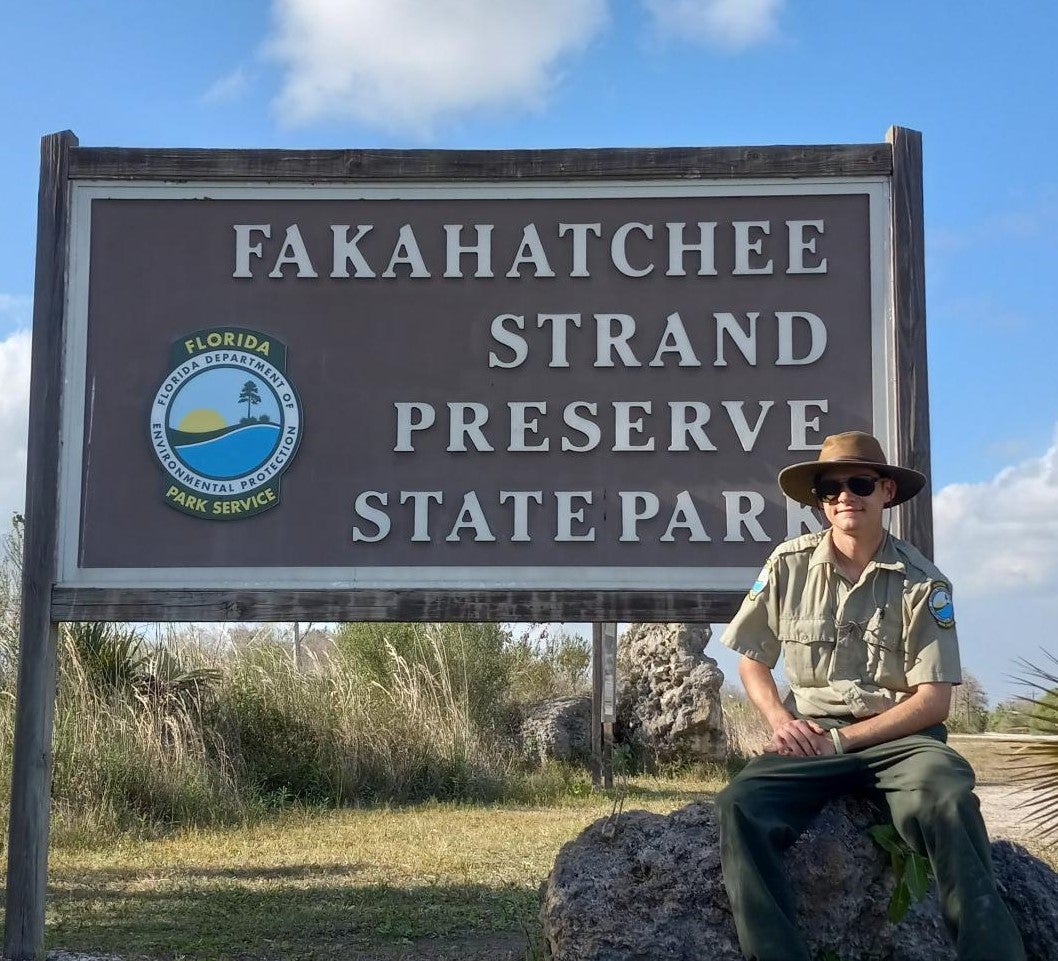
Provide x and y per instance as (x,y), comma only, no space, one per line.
(854,448)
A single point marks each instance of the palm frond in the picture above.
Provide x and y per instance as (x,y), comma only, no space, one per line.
(1034,763)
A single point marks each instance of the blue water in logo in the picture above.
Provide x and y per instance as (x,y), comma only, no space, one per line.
(238,452)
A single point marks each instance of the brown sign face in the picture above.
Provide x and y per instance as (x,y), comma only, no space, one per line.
(567,382)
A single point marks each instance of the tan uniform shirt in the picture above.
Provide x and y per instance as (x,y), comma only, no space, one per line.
(850,650)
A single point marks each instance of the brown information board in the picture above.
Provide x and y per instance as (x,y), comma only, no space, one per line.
(488,386)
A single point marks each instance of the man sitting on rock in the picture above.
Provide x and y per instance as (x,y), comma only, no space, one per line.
(866,626)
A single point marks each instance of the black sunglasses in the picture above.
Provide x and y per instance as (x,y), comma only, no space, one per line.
(828,489)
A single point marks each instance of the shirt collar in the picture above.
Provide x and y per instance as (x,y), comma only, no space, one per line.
(823,553)
(886,556)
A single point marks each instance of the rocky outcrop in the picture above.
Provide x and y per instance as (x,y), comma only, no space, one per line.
(650,889)
(669,691)
(558,730)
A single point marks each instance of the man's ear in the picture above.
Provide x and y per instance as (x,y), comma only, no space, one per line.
(890,487)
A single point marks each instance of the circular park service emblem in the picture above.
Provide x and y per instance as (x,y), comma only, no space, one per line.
(225,423)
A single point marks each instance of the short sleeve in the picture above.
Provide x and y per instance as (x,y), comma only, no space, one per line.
(932,644)
(754,629)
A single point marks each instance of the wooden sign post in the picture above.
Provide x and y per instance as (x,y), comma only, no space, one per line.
(27,853)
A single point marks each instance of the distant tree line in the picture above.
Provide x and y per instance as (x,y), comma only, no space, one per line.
(970,713)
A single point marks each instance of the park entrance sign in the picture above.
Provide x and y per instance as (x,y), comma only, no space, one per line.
(518,385)
(515,375)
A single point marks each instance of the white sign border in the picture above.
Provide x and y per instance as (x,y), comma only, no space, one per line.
(71,575)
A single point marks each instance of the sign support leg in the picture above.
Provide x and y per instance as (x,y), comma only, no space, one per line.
(596,706)
(29,829)
(603,702)
(27,851)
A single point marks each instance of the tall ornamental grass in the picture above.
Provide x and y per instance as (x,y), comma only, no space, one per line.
(747,731)
(398,727)
(131,747)
(150,736)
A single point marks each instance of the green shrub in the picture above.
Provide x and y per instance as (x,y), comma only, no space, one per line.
(549,665)
(475,658)
(372,725)
(282,727)
(1008,717)
(111,657)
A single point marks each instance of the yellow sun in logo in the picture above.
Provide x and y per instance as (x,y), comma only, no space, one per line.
(201,420)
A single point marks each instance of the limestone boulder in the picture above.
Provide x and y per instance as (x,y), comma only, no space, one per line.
(558,730)
(648,888)
(669,691)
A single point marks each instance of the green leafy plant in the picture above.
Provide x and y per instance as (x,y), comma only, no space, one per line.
(115,660)
(112,656)
(911,870)
(168,681)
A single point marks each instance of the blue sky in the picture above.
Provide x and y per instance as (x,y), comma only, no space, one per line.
(978,79)
(218,391)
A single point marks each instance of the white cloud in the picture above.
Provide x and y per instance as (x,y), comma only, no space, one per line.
(407,64)
(730,24)
(1001,536)
(229,88)
(14,416)
(15,311)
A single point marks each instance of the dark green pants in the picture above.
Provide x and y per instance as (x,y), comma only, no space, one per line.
(929,790)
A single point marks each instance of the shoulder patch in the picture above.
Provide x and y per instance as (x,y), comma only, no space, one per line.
(760,583)
(940,604)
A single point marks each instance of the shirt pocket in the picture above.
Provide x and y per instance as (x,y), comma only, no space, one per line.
(808,652)
(885,652)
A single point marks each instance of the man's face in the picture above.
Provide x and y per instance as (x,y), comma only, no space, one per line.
(857,513)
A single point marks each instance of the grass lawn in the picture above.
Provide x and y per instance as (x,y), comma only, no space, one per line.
(433,882)
(359,883)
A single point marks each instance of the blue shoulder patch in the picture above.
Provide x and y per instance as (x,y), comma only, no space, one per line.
(941,605)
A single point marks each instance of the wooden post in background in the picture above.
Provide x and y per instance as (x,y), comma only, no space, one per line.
(609,698)
(603,701)
(596,705)
(27,851)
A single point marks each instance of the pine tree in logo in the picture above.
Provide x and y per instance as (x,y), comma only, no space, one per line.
(250,396)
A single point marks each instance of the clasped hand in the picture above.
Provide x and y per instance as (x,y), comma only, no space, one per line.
(799,737)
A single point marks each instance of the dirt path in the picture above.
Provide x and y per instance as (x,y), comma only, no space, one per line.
(999,808)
